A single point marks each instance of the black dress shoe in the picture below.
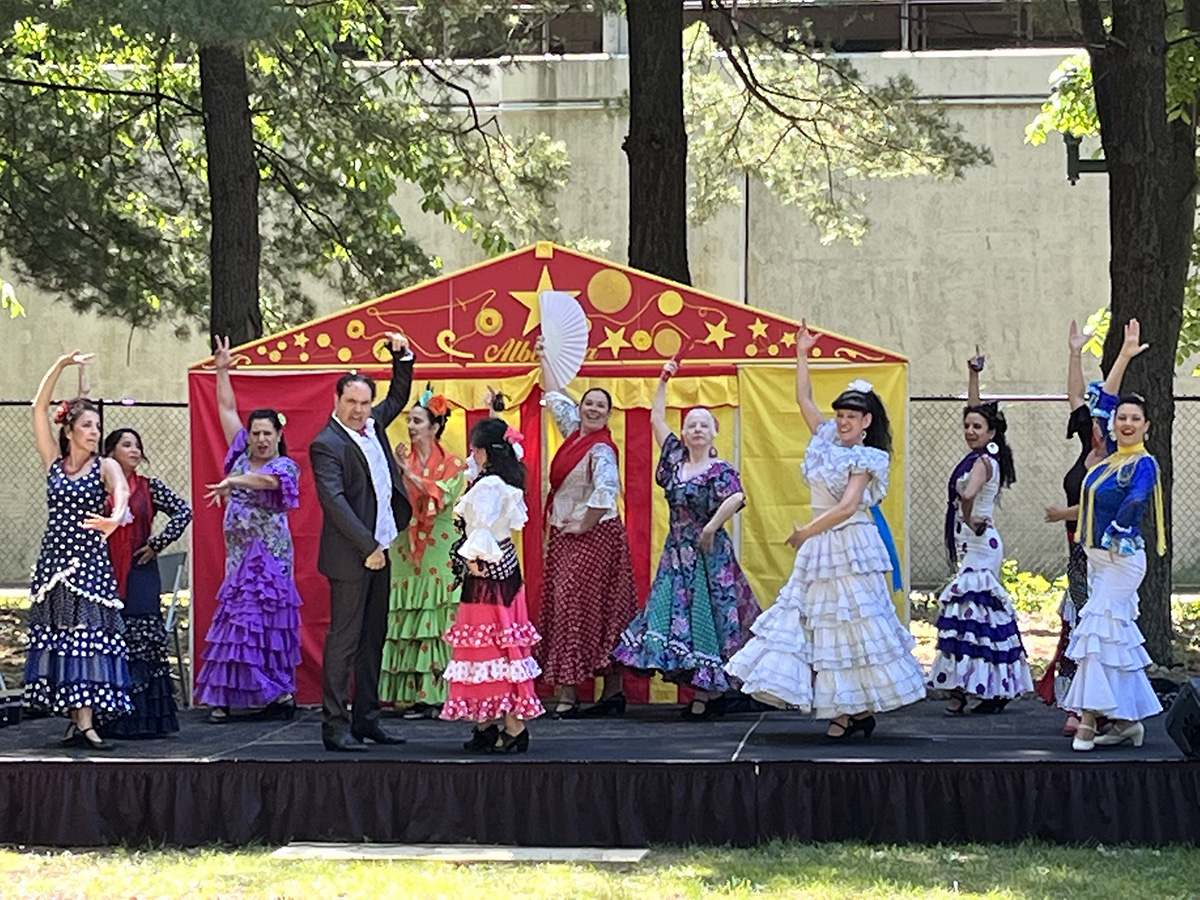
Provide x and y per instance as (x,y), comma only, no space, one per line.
(342,743)
(376,734)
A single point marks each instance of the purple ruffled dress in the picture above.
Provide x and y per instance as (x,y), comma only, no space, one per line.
(253,643)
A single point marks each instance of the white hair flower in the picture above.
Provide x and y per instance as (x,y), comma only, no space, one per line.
(860,385)
(992,448)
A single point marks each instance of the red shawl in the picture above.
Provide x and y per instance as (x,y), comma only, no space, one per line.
(429,499)
(572,453)
(131,537)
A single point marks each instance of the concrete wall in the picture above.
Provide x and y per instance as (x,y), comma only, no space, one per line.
(1005,256)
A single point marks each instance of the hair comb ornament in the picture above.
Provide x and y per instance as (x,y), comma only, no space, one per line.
(861,385)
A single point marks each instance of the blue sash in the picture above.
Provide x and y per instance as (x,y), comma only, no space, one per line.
(886,534)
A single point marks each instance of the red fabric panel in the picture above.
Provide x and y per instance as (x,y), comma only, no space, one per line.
(639,512)
(306,399)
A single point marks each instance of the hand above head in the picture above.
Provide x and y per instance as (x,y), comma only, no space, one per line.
(1076,339)
(975,363)
(222,358)
(75,358)
(539,349)
(397,342)
(805,339)
(1132,345)
(670,367)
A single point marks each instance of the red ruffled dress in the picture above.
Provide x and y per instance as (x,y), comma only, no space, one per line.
(491,671)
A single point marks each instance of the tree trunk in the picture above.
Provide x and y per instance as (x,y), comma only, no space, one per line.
(233,195)
(656,145)
(1151,181)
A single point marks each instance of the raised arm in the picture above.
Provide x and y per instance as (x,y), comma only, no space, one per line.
(400,387)
(974,367)
(548,381)
(1076,388)
(231,423)
(658,410)
(805,341)
(47,446)
(1130,347)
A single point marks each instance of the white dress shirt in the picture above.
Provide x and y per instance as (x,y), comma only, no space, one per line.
(381,479)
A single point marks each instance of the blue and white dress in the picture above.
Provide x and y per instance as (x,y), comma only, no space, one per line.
(979,649)
(832,643)
(1106,643)
(77,654)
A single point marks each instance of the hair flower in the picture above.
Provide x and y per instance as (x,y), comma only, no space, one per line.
(282,419)
(426,396)
(515,438)
(437,405)
(992,448)
(60,412)
(860,385)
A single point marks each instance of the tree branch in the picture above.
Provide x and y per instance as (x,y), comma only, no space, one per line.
(104,92)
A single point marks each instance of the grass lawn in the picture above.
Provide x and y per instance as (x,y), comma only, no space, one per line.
(776,870)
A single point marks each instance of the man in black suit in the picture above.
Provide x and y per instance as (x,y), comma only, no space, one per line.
(365,507)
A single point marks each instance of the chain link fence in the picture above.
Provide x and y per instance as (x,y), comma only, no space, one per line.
(164,430)
(1037,428)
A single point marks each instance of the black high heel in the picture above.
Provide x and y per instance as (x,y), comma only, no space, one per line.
(866,725)
(571,711)
(991,707)
(280,709)
(614,705)
(72,738)
(514,743)
(960,698)
(482,740)
(91,739)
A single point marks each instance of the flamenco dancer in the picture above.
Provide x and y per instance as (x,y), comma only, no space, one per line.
(423,600)
(1106,644)
(1052,686)
(491,672)
(700,607)
(76,661)
(134,552)
(588,596)
(253,643)
(979,649)
(832,643)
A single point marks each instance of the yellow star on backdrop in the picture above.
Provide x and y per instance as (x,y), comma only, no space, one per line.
(788,339)
(300,340)
(615,341)
(529,299)
(759,328)
(717,334)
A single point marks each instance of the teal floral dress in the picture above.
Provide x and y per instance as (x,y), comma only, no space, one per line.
(700,607)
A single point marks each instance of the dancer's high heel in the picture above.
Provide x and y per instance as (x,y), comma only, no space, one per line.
(1084,744)
(1134,732)
(483,740)
(614,705)
(280,709)
(514,743)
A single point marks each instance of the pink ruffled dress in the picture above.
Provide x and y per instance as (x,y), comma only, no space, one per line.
(491,671)
(253,644)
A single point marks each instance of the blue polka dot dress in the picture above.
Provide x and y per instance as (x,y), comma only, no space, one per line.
(76,655)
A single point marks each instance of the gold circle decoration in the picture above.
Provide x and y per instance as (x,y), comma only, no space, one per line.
(344,354)
(323,340)
(670,303)
(642,340)
(281,345)
(303,356)
(262,350)
(751,350)
(814,352)
(667,342)
(274,356)
(489,321)
(355,329)
(609,290)
(773,350)
(380,351)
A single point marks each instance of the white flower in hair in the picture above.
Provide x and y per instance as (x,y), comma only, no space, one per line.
(860,385)
(992,448)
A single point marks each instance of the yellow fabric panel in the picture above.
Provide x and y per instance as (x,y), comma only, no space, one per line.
(773,441)
(682,391)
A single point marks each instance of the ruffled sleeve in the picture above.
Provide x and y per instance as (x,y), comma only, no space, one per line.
(236,448)
(669,459)
(564,411)
(167,501)
(606,479)
(479,508)
(874,462)
(517,511)
(726,482)
(285,469)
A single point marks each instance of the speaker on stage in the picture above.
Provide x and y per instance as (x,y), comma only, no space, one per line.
(1183,719)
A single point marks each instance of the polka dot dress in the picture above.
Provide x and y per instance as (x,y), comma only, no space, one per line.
(76,655)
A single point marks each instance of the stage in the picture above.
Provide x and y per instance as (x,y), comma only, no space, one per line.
(649,777)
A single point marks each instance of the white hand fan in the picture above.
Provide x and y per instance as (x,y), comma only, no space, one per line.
(564,334)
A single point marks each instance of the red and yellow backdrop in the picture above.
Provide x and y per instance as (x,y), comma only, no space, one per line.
(475,329)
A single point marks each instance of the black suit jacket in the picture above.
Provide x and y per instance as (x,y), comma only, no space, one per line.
(344,485)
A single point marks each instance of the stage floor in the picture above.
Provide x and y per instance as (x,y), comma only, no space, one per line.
(1027,731)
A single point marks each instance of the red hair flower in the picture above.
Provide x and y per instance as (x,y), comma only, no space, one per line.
(437,405)
(60,412)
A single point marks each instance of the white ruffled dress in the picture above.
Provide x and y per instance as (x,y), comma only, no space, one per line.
(832,643)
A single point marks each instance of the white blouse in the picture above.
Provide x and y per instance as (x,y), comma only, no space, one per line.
(491,511)
(595,483)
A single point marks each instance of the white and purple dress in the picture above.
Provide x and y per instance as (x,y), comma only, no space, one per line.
(253,643)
